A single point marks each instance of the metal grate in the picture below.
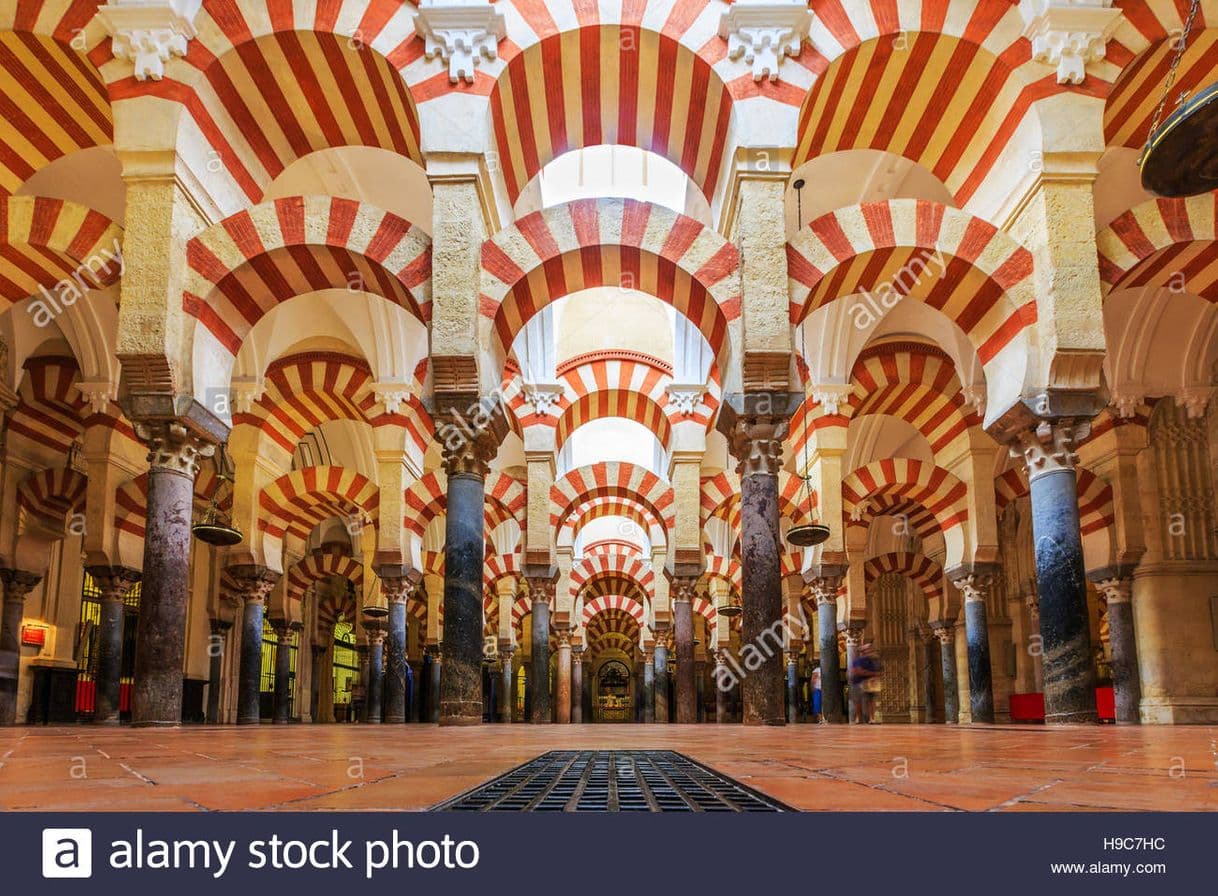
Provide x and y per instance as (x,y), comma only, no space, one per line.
(612,781)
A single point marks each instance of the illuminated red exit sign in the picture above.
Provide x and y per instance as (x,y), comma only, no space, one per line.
(33,635)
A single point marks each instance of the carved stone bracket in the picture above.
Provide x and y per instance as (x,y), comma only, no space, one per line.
(392,396)
(763,32)
(1069,34)
(543,397)
(461,33)
(831,396)
(685,397)
(148,33)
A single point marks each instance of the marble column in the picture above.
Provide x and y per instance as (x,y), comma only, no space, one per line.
(1126,681)
(17,584)
(113,582)
(283,670)
(433,686)
(577,685)
(683,634)
(562,690)
(755,441)
(661,677)
(375,689)
(160,642)
(360,711)
(317,653)
(397,590)
(586,690)
(217,647)
(541,592)
(825,590)
(1065,630)
(945,633)
(721,676)
(700,689)
(792,686)
(508,686)
(977,632)
(253,583)
(854,639)
(1038,666)
(466,464)
(649,684)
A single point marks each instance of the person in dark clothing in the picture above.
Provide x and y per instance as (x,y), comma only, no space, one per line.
(866,674)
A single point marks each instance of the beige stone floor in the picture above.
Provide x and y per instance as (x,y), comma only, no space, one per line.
(368,768)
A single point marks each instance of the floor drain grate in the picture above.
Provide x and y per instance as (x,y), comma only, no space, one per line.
(612,781)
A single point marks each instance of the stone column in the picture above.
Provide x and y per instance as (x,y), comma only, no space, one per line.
(375,690)
(825,590)
(217,647)
(577,685)
(283,670)
(17,584)
(113,582)
(792,686)
(945,633)
(1126,682)
(461,683)
(508,686)
(649,685)
(1061,580)
(854,639)
(562,688)
(361,711)
(1038,666)
(253,583)
(683,633)
(397,590)
(437,664)
(720,677)
(541,591)
(317,654)
(755,441)
(160,645)
(976,628)
(661,677)
(586,690)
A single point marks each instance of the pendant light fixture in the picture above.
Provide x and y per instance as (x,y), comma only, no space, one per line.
(215,527)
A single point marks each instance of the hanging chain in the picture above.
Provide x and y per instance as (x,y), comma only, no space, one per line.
(1171,77)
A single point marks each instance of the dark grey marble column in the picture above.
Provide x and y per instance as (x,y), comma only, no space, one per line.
(541,591)
(464,548)
(683,636)
(437,664)
(792,687)
(17,584)
(977,629)
(113,582)
(661,678)
(945,634)
(254,583)
(397,589)
(1065,631)
(720,679)
(577,685)
(507,687)
(825,590)
(160,642)
(217,647)
(317,654)
(1126,680)
(586,692)
(756,442)
(649,685)
(283,671)
(375,688)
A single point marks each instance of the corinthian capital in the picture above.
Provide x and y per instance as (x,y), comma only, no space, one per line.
(944,631)
(973,582)
(173,447)
(253,583)
(1049,447)
(18,583)
(114,581)
(541,589)
(397,588)
(756,443)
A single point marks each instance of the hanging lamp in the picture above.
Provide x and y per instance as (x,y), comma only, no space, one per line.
(1181,153)
(214,527)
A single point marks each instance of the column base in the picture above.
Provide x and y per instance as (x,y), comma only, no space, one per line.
(460,713)
(1179,710)
(158,724)
(105,723)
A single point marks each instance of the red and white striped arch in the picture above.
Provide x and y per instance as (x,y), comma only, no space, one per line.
(506,499)
(612,629)
(336,606)
(1164,242)
(45,241)
(242,267)
(918,568)
(321,565)
(617,566)
(498,566)
(985,286)
(620,243)
(50,411)
(598,85)
(55,101)
(595,508)
(935,500)
(612,480)
(1096,510)
(424,501)
(725,568)
(628,605)
(298,501)
(53,494)
(720,498)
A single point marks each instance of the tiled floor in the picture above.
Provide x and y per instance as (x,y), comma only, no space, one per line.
(360,768)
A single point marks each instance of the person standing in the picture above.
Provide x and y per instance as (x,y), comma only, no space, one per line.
(866,681)
(814,688)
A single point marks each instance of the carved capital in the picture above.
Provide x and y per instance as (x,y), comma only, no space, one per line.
(253,583)
(1069,34)
(973,585)
(114,581)
(1116,591)
(1049,447)
(824,589)
(756,443)
(392,396)
(220,627)
(683,589)
(148,33)
(397,589)
(563,637)
(461,33)
(945,632)
(18,583)
(854,632)
(544,397)
(172,447)
(376,632)
(685,397)
(763,32)
(470,457)
(541,590)
(831,396)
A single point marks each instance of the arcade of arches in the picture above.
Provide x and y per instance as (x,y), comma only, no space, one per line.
(514,367)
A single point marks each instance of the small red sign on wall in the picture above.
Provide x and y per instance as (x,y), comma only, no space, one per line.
(33,635)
